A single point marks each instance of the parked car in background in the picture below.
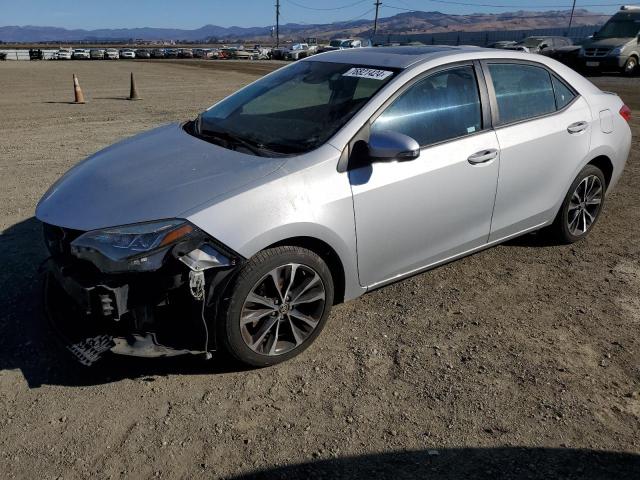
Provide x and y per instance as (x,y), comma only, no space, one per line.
(185,53)
(36,54)
(111,54)
(157,53)
(417,156)
(3,56)
(567,55)
(263,52)
(314,46)
(542,45)
(64,54)
(127,53)
(143,53)
(80,54)
(502,44)
(96,54)
(242,54)
(228,53)
(341,44)
(279,52)
(171,53)
(297,51)
(616,46)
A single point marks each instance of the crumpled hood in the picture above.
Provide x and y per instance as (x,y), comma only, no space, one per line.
(155,175)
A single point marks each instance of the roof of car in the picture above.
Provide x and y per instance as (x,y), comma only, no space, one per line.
(393,57)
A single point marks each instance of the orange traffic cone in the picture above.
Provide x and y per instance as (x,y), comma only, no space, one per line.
(77,90)
(133,93)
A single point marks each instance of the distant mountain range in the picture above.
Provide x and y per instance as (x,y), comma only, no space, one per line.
(402,23)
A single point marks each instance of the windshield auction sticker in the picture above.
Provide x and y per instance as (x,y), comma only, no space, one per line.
(371,73)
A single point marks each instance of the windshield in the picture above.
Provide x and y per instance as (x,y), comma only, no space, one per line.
(294,110)
(620,29)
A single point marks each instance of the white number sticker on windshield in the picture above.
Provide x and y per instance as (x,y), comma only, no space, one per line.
(367,73)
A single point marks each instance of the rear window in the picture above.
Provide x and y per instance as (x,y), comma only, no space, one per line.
(522,91)
(563,95)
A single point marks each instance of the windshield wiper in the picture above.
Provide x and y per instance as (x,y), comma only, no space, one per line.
(229,137)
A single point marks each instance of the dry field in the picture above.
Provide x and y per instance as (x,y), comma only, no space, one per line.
(522,361)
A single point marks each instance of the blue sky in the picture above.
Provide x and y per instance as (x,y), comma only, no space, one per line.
(91,14)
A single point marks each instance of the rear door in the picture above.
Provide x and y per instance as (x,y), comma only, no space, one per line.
(544,129)
(415,213)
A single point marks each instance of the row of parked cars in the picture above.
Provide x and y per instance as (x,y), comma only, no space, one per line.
(615,47)
(293,51)
(256,53)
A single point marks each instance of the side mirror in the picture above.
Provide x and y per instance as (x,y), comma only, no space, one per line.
(387,146)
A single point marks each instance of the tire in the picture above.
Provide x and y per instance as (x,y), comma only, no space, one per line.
(287,327)
(579,211)
(630,66)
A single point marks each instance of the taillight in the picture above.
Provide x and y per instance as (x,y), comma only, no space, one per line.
(625,112)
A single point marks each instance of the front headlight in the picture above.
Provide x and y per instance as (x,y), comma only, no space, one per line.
(138,247)
(581,52)
(616,51)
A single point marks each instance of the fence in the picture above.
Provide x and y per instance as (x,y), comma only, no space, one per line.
(484,38)
(24,54)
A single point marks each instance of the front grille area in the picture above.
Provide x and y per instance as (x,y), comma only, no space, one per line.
(596,52)
(58,239)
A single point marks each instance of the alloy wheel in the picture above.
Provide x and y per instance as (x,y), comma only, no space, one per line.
(584,205)
(282,309)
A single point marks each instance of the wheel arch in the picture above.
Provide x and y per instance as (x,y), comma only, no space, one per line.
(327,253)
(605,164)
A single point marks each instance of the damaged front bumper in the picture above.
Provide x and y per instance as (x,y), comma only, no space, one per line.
(167,312)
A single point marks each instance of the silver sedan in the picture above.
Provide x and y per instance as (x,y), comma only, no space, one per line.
(321,181)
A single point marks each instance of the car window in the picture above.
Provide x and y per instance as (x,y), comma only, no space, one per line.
(522,91)
(562,93)
(296,108)
(440,107)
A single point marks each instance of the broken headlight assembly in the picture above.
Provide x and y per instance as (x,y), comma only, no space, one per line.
(140,247)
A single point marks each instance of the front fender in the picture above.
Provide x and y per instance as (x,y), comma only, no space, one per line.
(305,198)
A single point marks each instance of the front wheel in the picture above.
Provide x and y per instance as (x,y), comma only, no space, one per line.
(277,306)
(581,206)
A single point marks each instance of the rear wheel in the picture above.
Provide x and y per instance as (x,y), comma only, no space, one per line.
(278,305)
(630,66)
(581,206)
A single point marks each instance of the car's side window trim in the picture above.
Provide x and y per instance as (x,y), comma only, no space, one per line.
(485,109)
(439,69)
(493,100)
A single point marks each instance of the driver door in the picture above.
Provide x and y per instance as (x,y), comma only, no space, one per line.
(413,214)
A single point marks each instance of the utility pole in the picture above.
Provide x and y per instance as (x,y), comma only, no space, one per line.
(277,23)
(375,22)
(571,18)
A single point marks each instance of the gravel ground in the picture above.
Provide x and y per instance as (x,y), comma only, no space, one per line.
(518,362)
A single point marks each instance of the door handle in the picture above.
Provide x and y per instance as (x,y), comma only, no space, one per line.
(483,156)
(577,127)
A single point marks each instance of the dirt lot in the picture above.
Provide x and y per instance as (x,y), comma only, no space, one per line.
(522,361)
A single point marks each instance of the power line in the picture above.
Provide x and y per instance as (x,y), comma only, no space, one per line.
(469,4)
(326,9)
(386,5)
